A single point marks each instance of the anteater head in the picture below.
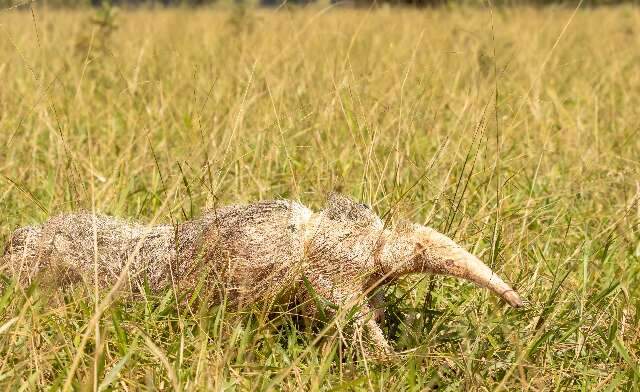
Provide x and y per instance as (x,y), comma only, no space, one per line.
(420,249)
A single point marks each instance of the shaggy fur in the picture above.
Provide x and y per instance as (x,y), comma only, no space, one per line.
(251,253)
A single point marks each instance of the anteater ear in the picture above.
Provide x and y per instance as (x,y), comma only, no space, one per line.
(340,207)
(404,226)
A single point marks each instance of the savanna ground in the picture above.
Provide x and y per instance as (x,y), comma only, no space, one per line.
(514,131)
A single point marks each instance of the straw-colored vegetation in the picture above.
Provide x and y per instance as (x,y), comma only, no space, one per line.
(513,131)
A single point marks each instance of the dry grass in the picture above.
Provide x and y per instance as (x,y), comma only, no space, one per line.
(177,109)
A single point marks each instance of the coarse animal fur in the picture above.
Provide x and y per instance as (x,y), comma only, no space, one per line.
(251,253)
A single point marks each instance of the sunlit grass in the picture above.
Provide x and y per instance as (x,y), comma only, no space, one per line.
(514,131)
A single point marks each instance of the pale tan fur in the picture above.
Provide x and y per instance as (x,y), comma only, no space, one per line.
(251,254)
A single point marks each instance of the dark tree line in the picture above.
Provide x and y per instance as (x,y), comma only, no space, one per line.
(5,4)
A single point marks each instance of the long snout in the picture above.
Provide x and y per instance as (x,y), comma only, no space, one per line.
(454,260)
(476,271)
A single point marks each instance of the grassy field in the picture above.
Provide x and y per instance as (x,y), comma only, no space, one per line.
(514,131)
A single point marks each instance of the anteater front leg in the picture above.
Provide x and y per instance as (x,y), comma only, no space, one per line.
(365,332)
(375,344)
